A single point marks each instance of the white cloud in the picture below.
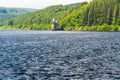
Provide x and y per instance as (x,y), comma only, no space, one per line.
(35,3)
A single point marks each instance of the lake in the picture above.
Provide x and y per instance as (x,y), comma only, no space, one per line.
(47,55)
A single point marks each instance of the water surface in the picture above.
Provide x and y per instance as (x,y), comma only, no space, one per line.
(46,55)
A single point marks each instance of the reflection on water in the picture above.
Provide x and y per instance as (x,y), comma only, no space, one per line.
(46,55)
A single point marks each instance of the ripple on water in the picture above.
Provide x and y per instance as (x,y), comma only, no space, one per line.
(40,55)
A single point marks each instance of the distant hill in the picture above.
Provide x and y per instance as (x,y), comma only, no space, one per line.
(10,13)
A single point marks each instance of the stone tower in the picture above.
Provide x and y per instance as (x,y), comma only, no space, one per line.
(54,25)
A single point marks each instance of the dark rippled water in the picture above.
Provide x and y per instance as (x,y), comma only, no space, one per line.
(37,55)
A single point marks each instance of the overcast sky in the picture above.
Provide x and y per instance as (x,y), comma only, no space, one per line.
(37,4)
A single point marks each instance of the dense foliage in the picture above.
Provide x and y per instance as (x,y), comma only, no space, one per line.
(101,12)
(40,20)
(75,18)
(98,15)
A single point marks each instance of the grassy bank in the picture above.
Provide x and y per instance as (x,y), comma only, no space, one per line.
(105,27)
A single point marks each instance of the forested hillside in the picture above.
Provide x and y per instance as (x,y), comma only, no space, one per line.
(105,14)
(100,12)
(98,15)
(41,20)
(10,13)
(74,19)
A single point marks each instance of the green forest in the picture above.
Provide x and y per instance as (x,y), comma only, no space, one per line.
(10,13)
(98,15)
